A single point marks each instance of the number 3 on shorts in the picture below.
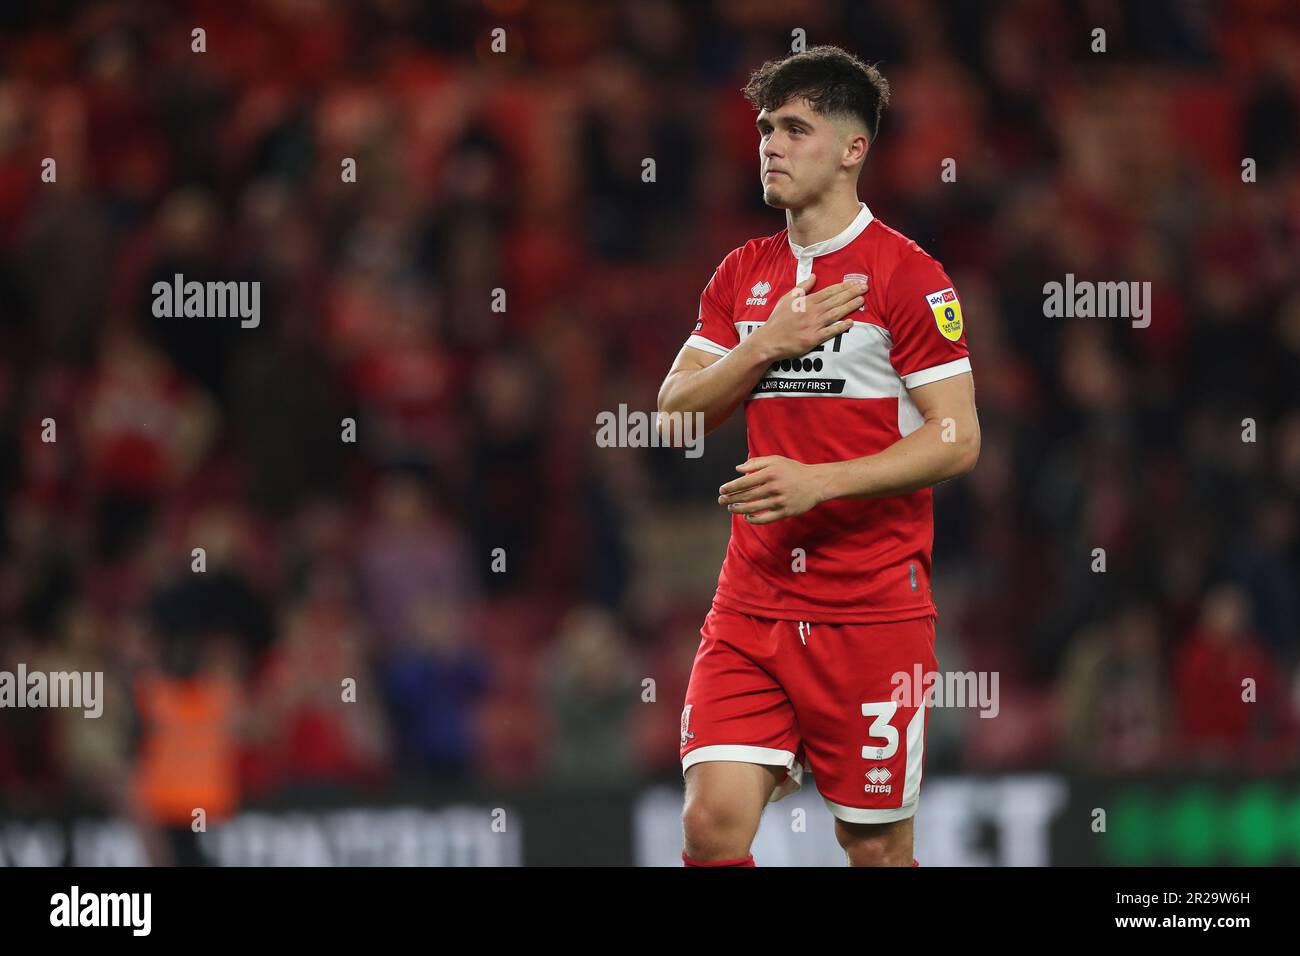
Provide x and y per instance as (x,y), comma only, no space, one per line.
(881,727)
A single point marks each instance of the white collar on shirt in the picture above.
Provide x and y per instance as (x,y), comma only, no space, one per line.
(835,243)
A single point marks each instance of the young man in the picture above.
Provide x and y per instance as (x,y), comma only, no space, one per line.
(845,342)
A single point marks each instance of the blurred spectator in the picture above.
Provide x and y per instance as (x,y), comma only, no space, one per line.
(409,553)
(1266,568)
(593,689)
(1233,700)
(318,706)
(187,769)
(1115,695)
(214,592)
(96,753)
(433,678)
(146,429)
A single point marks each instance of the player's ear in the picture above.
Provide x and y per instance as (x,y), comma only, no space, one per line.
(856,145)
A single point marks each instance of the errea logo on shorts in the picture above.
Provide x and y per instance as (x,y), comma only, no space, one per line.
(758,293)
(878,778)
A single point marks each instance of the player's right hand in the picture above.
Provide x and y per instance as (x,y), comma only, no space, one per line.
(802,320)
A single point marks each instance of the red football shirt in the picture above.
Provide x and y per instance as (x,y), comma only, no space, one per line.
(848,560)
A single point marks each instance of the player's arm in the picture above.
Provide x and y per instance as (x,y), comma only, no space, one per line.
(947,445)
(716,384)
(712,384)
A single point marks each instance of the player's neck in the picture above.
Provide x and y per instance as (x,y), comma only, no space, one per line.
(822,220)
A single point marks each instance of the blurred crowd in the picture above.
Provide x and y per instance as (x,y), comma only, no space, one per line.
(461,585)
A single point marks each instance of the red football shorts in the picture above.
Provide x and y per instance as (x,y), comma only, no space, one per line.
(819,698)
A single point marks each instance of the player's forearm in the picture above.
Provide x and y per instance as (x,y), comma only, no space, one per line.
(717,389)
(918,461)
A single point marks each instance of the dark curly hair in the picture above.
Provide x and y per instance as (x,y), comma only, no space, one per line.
(832,80)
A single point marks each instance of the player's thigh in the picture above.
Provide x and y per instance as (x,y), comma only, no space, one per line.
(864,741)
(724,805)
(723,781)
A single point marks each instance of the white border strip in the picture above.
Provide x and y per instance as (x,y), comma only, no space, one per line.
(915,752)
(855,815)
(936,373)
(706,345)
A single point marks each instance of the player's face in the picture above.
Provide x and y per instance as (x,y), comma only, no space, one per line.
(798,152)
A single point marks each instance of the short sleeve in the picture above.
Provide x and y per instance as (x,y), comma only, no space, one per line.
(926,327)
(715,328)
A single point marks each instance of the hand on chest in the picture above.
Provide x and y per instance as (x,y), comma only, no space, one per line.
(852,364)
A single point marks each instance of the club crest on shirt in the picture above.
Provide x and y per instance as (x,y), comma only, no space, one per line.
(947,313)
(864,279)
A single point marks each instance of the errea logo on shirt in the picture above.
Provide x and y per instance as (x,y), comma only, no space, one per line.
(758,293)
(947,312)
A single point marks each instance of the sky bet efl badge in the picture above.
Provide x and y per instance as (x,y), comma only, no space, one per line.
(947,313)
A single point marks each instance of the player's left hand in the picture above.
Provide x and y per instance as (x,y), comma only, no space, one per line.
(771,488)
